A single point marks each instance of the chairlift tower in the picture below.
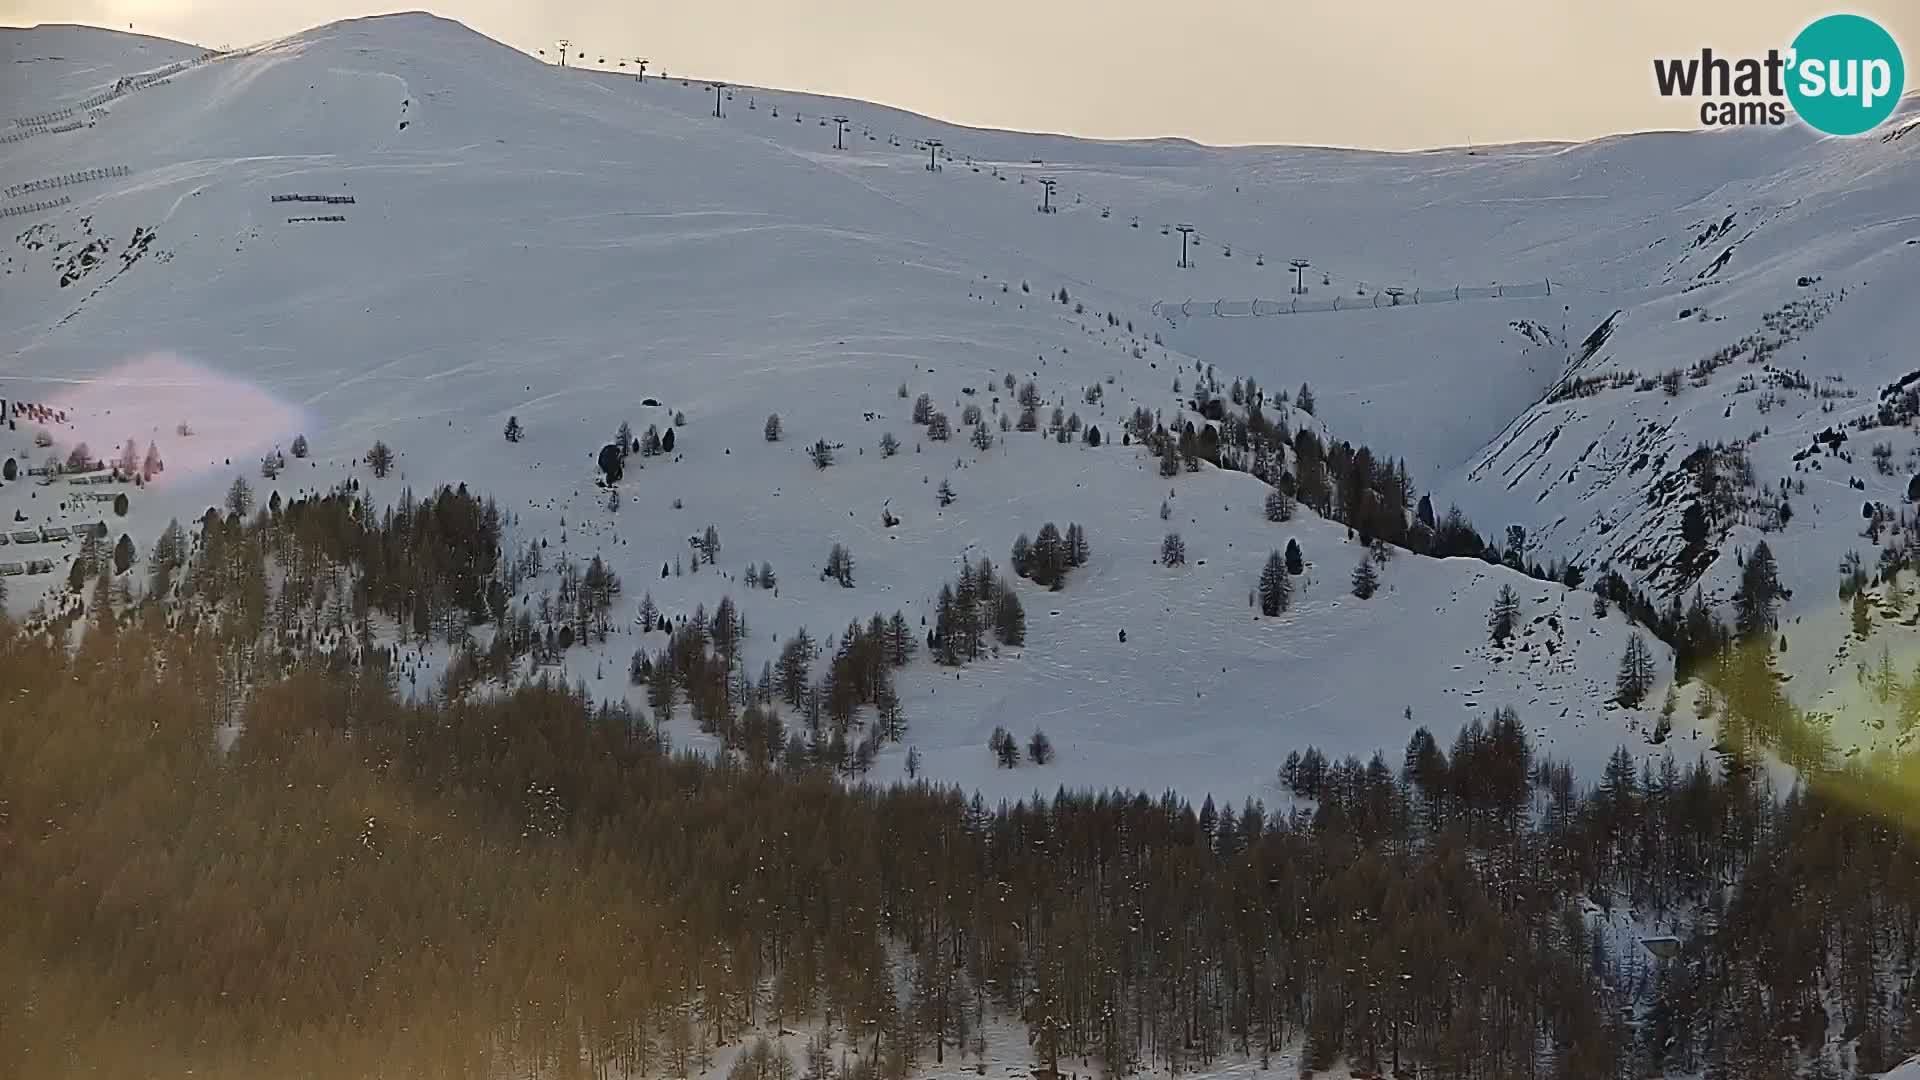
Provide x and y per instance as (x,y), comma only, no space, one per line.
(718,89)
(1394,294)
(1299,276)
(839,133)
(639,68)
(1046,194)
(563,45)
(1186,233)
(933,155)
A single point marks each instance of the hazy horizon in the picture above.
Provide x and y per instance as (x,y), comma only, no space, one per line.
(1544,72)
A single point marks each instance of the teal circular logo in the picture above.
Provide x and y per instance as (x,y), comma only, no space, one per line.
(1846,74)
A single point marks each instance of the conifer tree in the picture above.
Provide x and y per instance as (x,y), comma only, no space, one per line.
(1173,550)
(1276,586)
(1636,672)
(1504,617)
(1366,580)
(1040,748)
(1760,593)
(1279,506)
(1010,619)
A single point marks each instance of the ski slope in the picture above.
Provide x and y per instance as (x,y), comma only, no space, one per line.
(564,245)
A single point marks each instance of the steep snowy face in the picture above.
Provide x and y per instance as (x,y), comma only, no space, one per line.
(394,229)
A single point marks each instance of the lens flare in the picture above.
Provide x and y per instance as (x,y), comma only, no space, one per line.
(203,422)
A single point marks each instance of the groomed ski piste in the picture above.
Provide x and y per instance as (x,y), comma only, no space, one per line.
(565,245)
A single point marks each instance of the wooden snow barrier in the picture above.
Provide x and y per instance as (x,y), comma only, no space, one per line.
(51,182)
(332,200)
(35,208)
(329,217)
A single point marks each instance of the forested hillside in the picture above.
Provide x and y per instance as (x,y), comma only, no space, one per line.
(531,883)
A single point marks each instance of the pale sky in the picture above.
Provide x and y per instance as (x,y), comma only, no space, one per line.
(1395,74)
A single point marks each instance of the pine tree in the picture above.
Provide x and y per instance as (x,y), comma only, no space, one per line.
(1276,586)
(839,566)
(623,439)
(1078,551)
(1636,672)
(1021,556)
(1040,748)
(1047,559)
(1009,618)
(1279,506)
(1504,617)
(1760,591)
(1296,562)
(240,498)
(821,453)
(380,459)
(514,434)
(945,493)
(772,430)
(1004,748)
(1304,400)
(1366,580)
(1173,550)
(889,445)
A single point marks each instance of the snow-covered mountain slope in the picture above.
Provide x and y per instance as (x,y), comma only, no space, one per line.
(564,246)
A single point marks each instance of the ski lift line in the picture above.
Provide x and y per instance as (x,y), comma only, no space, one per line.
(1328,274)
(1394,297)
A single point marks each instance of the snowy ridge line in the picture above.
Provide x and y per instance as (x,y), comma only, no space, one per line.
(1242,309)
(35,208)
(81,177)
